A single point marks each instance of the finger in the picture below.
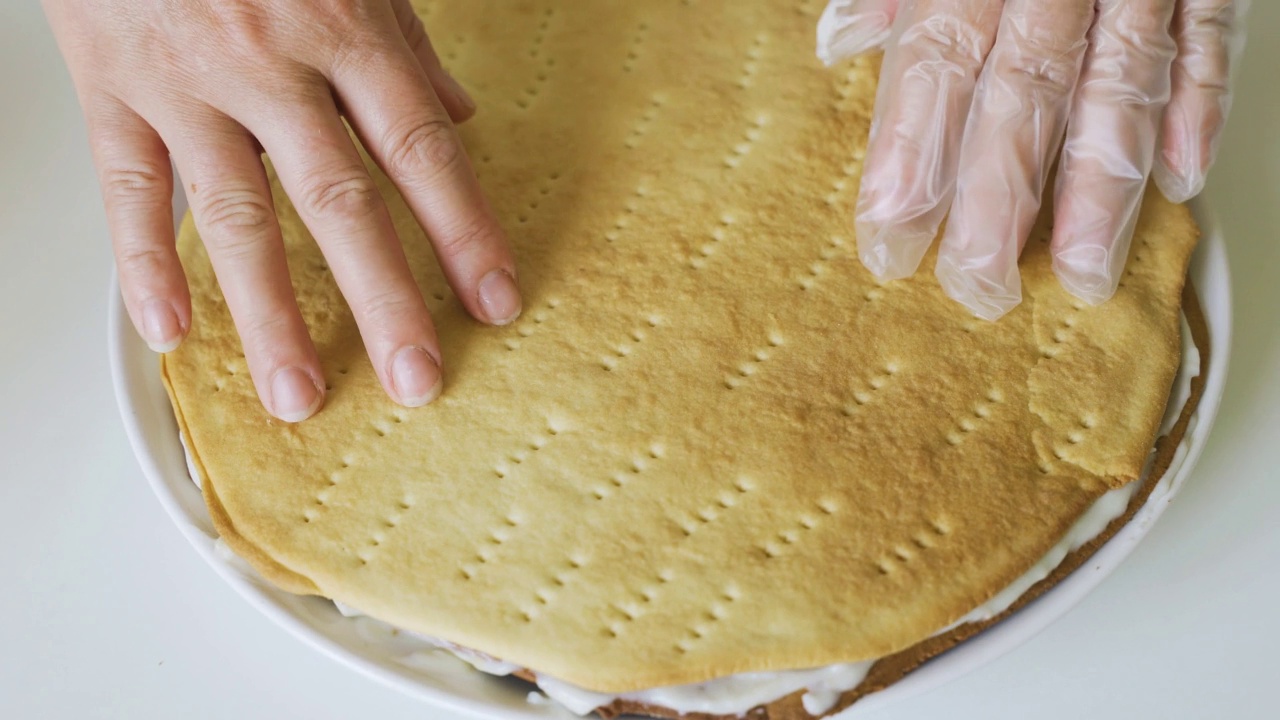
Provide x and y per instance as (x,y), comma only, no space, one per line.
(1207,32)
(137,189)
(852,27)
(1014,130)
(455,98)
(926,89)
(231,202)
(1110,144)
(321,170)
(400,120)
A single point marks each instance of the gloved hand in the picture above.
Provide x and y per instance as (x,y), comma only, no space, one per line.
(214,83)
(975,98)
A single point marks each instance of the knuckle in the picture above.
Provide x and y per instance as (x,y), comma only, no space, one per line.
(428,143)
(466,240)
(124,186)
(346,14)
(1046,38)
(342,195)
(244,25)
(1052,76)
(416,35)
(951,40)
(237,209)
(1218,14)
(235,219)
(1140,29)
(391,305)
(1204,37)
(142,260)
(265,334)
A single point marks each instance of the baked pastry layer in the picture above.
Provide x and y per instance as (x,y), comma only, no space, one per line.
(713,443)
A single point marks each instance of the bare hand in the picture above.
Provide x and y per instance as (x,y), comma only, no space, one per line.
(214,81)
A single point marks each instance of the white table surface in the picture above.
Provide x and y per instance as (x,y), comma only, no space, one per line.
(106,612)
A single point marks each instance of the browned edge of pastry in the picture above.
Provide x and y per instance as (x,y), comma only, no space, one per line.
(893,668)
(884,672)
(265,565)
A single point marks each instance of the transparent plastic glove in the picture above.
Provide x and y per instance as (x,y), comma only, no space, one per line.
(975,99)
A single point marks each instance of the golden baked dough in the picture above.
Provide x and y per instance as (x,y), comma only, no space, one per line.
(713,443)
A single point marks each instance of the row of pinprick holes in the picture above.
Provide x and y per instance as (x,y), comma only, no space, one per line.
(529,320)
(451,53)
(543,595)
(532,91)
(845,88)
(645,596)
(633,50)
(495,537)
(641,127)
(1131,270)
(636,336)
(541,75)
(533,446)
(341,371)
(1074,437)
(322,496)
(382,429)
(840,183)
(630,208)
(379,537)
(619,480)
(713,615)
(233,369)
(1062,334)
(980,412)
(876,383)
(543,191)
(829,251)
(751,135)
(718,234)
(790,536)
(710,514)
(922,540)
(747,369)
(752,64)
(540,37)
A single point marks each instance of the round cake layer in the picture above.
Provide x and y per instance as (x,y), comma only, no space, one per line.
(713,443)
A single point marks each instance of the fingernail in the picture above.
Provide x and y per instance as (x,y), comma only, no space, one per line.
(985,297)
(415,376)
(1082,270)
(294,395)
(464,98)
(499,297)
(160,326)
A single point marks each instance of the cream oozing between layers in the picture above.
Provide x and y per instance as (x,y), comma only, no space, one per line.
(822,686)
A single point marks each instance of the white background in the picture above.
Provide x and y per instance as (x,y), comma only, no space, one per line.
(106,612)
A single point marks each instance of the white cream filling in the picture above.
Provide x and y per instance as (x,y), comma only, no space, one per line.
(823,686)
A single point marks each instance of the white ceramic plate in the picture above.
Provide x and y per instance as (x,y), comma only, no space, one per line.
(451,684)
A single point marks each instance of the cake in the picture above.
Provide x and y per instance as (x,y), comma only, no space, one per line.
(714,451)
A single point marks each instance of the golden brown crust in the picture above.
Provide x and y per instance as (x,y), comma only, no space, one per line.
(801,444)
(890,670)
